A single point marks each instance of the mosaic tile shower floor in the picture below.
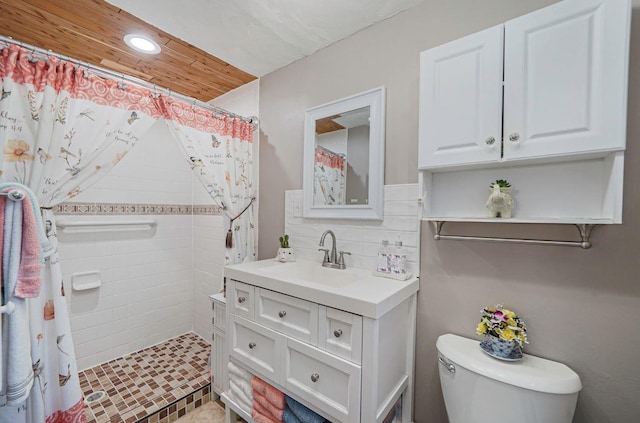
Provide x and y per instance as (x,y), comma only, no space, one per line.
(154,385)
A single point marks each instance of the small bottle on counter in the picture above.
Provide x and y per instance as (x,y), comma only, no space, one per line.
(384,258)
(399,259)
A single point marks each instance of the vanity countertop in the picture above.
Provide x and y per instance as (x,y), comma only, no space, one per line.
(353,290)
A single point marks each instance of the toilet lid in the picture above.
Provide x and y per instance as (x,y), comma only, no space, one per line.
(534,373)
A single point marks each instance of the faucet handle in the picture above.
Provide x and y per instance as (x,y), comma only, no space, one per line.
(341,257)
(326,254)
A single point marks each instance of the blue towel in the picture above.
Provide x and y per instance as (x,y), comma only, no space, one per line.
(289,417)
(15,331)
(303,414)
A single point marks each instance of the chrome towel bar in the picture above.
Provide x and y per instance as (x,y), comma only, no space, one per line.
(584,229)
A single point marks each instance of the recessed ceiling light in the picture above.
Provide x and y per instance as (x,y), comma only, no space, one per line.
(142,43)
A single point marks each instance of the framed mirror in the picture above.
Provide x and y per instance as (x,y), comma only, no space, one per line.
(344,157)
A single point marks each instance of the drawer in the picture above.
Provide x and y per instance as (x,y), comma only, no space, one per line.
(330,383)
(218,319)
(340,333)
(241,298)
(256,347)
(289,315)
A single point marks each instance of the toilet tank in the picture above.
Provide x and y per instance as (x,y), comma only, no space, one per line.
(480,389)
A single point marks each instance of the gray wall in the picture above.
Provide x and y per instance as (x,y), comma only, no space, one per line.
(582,306)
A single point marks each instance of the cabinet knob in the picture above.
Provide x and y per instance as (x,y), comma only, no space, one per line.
(514,137)
(282,314)
(315,377)
(242,299)
(337,333)
(252,345)
(490,140)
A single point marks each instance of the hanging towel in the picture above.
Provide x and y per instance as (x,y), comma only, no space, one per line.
(303,414)
(289,417)
(45,244)
(19,372)
(274,396)
(265,407)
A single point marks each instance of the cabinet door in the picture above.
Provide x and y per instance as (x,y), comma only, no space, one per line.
(461,101)
(289,315)
(327,382)
(566,72)
(256,347)
(241,299)
(340,333)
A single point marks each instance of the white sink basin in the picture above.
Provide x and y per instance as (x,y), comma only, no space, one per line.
(314,273)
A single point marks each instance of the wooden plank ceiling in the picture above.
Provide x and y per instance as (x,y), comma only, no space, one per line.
(92,31)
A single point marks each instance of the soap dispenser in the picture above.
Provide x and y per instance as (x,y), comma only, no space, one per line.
(399,260)
(384,258)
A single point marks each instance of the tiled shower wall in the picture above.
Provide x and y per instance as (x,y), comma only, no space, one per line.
(362,238)
(148,292)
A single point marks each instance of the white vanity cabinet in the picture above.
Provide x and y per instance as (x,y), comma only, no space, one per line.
(349,364)
(540,101)
(565,88)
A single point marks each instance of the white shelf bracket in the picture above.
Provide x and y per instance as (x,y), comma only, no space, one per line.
(585,231)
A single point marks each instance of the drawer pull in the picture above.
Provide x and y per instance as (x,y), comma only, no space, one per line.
(337,333)
(315,377)
(242,299)
(282,314)
(252,345)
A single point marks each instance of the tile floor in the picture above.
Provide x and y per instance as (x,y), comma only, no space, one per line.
(156,385)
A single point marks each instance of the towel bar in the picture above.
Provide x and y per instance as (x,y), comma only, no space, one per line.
(14,194)
(584,229)
(106,225)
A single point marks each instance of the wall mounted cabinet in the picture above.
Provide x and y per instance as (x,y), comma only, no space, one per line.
(540,101)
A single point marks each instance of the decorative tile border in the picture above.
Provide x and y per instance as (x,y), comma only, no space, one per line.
(180,407)
(137,209)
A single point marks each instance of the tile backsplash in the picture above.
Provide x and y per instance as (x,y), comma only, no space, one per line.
(362,238)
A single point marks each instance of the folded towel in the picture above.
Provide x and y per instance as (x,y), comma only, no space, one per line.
(274,396)
(19,373)
(239,372)
(303,413)
(260,418)
(238,401)
(266,412)
(289,417)
(240,394)
(264,407)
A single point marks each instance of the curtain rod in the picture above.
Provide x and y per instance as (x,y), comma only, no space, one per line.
(121,76)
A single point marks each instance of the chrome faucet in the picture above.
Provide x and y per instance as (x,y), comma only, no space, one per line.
(332,259)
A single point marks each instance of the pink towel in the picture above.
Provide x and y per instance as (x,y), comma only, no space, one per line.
(274,396)
(263,406)
(260,418)
(2,204)
(28,284)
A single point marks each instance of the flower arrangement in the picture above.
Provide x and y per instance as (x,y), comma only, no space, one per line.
(502,323)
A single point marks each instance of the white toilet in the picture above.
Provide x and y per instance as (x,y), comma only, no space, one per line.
(481,389)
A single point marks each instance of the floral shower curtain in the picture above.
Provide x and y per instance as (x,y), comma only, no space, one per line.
(219,150)
(329,177)
(61,129)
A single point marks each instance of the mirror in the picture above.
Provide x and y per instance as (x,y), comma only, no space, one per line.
(344,158)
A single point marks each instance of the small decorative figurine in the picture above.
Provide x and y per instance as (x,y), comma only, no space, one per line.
(500,202)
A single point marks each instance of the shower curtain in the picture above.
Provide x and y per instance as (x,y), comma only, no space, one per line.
(219,150)
(329,177)
(61,129)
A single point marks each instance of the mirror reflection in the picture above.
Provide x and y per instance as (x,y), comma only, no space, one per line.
(341,159)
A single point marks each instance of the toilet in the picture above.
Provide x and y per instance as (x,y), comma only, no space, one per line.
(480,389)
